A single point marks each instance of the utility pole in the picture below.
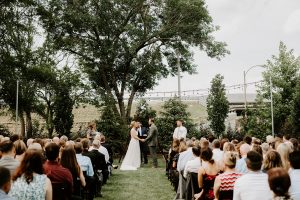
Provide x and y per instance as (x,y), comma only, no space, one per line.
(272,109)
(178,75)
(17,106)
(245,93)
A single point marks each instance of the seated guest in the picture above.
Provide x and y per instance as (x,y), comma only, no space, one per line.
(98,160)
(56,140)
(8,153)
(228,146)
(284,150)
(272,160)
(5,184)
(241,166)
(29,142)
(207,174)
(21,148)
(254,184)
(29,182)
(224,183)
(101,149)
(217,153)
(185,156)
(193,165)
(84,161)
(279,182)
(108,147)
(57,174)
(69,161)
(294,158)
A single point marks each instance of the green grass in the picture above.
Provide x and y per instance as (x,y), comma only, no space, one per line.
(145,183)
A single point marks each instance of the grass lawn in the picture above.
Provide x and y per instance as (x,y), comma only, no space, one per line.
(145,183)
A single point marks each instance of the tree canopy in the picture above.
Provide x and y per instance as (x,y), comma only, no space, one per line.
(128,45)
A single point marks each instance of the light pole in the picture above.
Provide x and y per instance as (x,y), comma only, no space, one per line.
(178,75)
(271,94)
(17,106)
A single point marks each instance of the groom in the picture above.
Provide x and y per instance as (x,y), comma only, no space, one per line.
(152,141)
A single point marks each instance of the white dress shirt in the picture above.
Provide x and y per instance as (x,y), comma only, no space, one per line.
(192,166)
(184,157)
(217,155)
(180,132)
(252,186)
(295,184)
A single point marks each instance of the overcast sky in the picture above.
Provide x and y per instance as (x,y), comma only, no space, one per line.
(252,30)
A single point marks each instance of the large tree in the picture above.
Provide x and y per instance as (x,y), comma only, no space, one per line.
(128,45)
(284,72)
(217,105)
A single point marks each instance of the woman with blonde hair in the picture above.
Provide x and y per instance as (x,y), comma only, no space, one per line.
(272,159)
(132,159)
(224,183)
(284,150)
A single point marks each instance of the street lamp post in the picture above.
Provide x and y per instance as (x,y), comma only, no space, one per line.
(178,75)
(17,106)
(271,94)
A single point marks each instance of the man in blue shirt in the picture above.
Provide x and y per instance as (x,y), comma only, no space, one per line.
(84,161)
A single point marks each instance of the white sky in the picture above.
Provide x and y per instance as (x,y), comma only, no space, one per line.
(252,30)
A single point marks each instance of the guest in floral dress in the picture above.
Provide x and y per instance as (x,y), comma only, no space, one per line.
(29,182)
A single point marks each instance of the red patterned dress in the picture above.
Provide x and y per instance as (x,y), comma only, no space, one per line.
(208,186)
(227,184)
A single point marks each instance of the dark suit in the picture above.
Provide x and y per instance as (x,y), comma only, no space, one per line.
(142,133)
(152,143)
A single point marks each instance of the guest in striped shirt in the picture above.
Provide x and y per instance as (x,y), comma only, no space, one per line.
(224,183)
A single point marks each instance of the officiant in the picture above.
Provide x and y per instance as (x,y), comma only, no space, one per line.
(143,133)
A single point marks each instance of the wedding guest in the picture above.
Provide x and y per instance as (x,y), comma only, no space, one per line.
(185,156)
(21,148)
(217,153)
(295,143)
(180,131)
(207,174)
(84,162)
(257,148)
(265,148)
(57,174)
(109,149)
(29,182)
(195,164)
(294,172)
(284,150)
(101,149)
(241,166)
(29,142)
(279,182)
(8,153)
(56,140)
(224,183)
(5,184)
(69,161)
(272,160)
(254,184)
(228,146)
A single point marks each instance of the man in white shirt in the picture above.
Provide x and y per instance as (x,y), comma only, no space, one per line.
(254,184)
(180,131)
(241,166)
(217,153)
(185,156)
(294,173)
(192,166)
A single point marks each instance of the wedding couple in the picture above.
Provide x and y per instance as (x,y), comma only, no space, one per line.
(132,159)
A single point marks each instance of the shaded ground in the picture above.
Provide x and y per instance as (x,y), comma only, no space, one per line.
(145,183)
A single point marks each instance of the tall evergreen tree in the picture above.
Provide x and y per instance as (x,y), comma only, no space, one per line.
(217,105)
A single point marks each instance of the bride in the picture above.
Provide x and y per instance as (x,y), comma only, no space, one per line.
(132,159)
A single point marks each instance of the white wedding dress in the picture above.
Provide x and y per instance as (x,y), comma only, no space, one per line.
(132,159)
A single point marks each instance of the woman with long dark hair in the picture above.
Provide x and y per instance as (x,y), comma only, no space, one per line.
(68,160)
(29,181)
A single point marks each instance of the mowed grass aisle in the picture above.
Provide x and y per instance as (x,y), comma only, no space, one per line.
(145,183)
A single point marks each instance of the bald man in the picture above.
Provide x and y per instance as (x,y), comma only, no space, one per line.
(241,166)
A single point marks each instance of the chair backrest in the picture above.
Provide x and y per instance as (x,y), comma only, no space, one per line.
(60,191)
(194,180)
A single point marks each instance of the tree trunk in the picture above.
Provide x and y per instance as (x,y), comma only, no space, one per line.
(22,121)
(129,104)
(28,125)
